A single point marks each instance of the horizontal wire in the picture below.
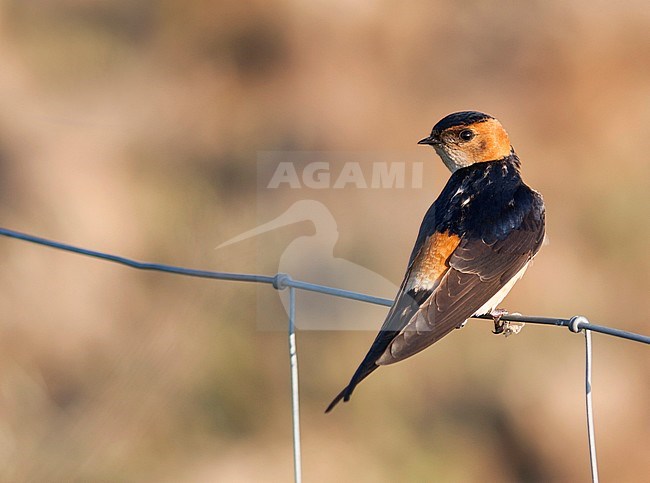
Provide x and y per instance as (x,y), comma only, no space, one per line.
(282,280)
(190,272)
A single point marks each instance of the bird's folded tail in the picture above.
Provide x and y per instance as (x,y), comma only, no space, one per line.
(338,398)
(363,372)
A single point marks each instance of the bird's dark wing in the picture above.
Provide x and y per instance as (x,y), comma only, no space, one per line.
(477,271)
(448,280)
(429,263)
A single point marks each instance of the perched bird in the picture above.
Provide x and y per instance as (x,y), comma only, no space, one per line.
(475,242)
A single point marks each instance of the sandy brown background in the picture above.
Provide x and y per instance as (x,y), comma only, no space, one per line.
(133,127)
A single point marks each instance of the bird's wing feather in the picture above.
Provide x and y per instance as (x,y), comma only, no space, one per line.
(427,265)
(449,278)
(425,271)
(477,270)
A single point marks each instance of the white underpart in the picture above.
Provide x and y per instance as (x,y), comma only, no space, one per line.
(498,297)
(453,159)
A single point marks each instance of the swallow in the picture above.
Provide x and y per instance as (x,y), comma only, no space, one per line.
(475,242)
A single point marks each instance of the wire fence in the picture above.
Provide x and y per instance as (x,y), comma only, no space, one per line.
(282,281)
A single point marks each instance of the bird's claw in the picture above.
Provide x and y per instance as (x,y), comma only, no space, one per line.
(499,326)
(511,328)
(505,327)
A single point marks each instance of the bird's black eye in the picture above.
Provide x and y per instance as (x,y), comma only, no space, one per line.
(466,134)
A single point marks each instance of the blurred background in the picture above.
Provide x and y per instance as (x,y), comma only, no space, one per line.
(133,127)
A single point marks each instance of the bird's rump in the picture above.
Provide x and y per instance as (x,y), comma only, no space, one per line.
(477,271)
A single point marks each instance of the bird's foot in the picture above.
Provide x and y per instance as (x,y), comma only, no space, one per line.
(461,325)
(505,327)
(511,327)
(499,325)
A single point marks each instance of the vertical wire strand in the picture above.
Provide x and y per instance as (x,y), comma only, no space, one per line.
(281,281)
(295,398)
(590,414)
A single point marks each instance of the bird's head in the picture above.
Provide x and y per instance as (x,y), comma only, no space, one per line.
(468,137)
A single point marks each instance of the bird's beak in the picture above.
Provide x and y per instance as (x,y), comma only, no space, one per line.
(431,140)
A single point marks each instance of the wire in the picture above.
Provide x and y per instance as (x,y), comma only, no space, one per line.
(236,277)
(591,436)
(295,396)
(281,281)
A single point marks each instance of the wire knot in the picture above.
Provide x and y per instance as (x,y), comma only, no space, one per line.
(281,281)
(576,321)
